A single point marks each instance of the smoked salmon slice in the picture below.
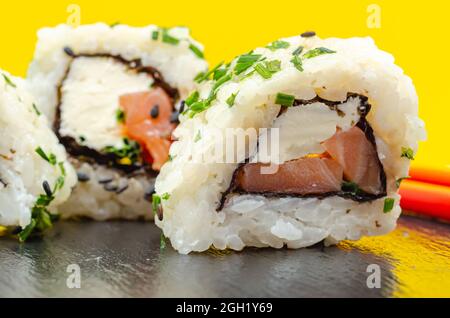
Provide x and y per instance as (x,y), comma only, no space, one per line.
(358,157)
(148,121)
(307,176)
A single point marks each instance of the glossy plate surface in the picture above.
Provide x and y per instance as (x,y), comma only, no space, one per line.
(124,259)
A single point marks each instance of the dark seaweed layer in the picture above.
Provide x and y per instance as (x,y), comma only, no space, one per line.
(88,154)
(363,124)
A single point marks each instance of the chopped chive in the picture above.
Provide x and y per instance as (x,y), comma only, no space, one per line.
(278,45)
(273,66)
(120,116)
(220,82)
(246,61)
(247,75)
(297,61)
(8,81)
(82,138)
(165,196)
(268,68)
(192,98)
(231,100)
(203,76)
(317,51)
(155,35)
(162,242)
(198,136)
(284,100)
(388,205)
(298,50)
(59,184)
(61,167)
(263,71)
(156,201)
(36,110)
(407,153)
(51,158)
(167,38)
(196,51)
(219,73)
(26,232)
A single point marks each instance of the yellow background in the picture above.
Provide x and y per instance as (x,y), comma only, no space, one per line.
(415,33)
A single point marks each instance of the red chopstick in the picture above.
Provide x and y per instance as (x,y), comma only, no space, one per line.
(427,192)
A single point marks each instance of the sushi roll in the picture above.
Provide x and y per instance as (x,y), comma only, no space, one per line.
(329,129)
(35,176)
(113,95)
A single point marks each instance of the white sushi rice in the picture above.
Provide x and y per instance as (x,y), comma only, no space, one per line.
(192,191)
(22,170)
(90,99)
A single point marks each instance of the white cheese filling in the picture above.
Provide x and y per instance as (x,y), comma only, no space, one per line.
(303,128)
(90,100)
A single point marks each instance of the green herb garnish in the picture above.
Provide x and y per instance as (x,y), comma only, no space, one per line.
(50,158)
(41,218)
(192,98)
(156,202)
(284,100)
(155,35)
(112,25)
(246,61)
(167,38)
(130,150)
(298,50)
(219,83)
(267,68)
(8,81)
(220,72)
(278,45)
(297,61)
(196,51)
(36,110)
(162,242)
(165,196)
(230,100)
(120,116)
(388,205)
(350,187)
(198,136)
(203,76)
(317,51)
(407,153)
(62,169)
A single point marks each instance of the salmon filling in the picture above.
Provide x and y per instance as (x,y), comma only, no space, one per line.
(349,157)
(348,167)
(148,121)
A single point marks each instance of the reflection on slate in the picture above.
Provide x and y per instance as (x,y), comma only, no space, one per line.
(123,259)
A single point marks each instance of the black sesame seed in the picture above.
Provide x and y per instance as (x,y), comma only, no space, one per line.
(155,112)
(47,189)
(122,189)
(174,118)
(308,34)
(160,213)
(182,106)
(83,177)
(16,230)
(105,180)
(69,51)
(110,187)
